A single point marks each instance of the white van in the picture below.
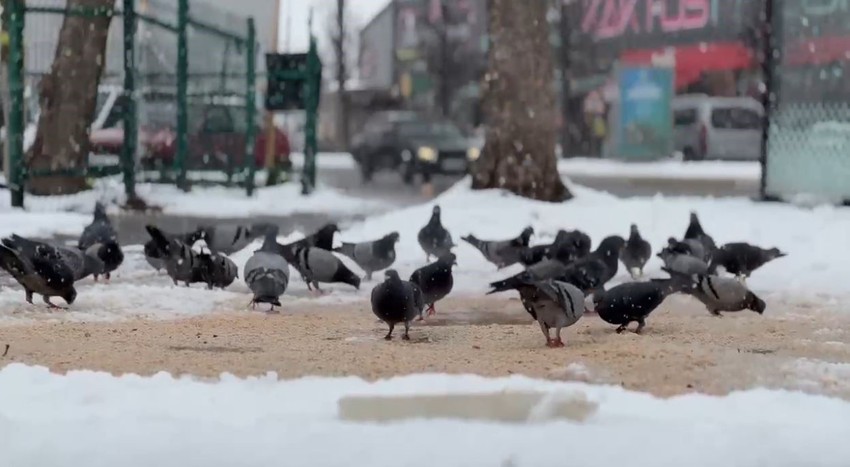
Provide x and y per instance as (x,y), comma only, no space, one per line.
(707,127)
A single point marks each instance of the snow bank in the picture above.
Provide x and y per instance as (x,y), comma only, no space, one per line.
(817,262)
(665,169)
(326,160)
(94,419)
(213,201)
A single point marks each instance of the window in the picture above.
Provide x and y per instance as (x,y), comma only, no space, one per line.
(684,117)
(735,118)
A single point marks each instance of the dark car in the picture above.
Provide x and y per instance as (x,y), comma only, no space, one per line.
(412,145)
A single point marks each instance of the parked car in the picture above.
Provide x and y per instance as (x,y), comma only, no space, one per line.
(216,135)
(412,144)
(707,127)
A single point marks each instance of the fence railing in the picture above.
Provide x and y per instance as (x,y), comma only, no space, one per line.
(187,98)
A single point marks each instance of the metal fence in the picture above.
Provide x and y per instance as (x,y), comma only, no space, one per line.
(177,94)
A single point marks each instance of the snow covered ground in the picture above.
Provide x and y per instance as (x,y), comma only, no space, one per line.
(94,419)
(664,169)
(814,270)
(210,201)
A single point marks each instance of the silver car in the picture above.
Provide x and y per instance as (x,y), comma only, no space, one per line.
(707,127)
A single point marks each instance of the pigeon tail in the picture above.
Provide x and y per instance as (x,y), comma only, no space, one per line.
(10,261)
(511,283)
(346,276)
(478,244)
(159,238)
(346,249)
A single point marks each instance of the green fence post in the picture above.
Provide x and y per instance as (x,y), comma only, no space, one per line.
(182,91)
(308,178)
(251,106)
(131,130)
(15,128)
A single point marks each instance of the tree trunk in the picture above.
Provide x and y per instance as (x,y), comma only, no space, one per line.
(342,72)
(519,105)
(68,97)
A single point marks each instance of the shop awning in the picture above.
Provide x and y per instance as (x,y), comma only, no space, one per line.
(693,60)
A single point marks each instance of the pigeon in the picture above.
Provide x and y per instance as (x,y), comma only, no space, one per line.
(552,304)
(722,294)
(532,255)
(636,253)
(101,231)
(156,257)
(591,273)
(434,239)
(435,280)
(396,301)
(683,263)
(695,232)
(82,263)
(741,259)
(230,238)
(502,253)
(570,246)
(372,256)
(322,238)
(318,265)
(267,273)
(690,247)
(634,301)
(217,270)
(182,263)
(39,269)
(541,271)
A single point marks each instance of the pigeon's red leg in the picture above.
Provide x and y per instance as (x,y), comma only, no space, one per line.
(107,277)
(51,305)
(557,342)
(95,277)
(432,310)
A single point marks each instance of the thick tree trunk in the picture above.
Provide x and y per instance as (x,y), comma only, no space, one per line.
(68,97)
(519,105)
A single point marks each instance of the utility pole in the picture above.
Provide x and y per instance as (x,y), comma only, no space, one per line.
(271,163)
(341,73)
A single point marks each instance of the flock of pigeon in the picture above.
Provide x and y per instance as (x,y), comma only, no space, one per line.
(553,286)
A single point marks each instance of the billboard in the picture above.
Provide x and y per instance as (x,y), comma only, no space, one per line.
(644,129)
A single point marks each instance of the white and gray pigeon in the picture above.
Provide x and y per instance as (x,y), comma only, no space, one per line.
(82,263)
(182,263)
(723,294)
(683,263)
(101,232)
(317,265)
(434,239)
(267,273)
(156,257)
(396,301)
(230,238)
(39,269)
(636,253)
(502,253)
(372,256)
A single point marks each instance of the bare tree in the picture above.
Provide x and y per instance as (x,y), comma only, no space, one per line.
(68,97)
(339,36)
(519,105)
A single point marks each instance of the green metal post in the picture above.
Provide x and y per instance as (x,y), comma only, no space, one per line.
(308,178)
(15,129)
(182,91)
(251,106)
(131,131)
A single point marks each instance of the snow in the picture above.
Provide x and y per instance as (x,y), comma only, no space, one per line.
(326,160)
(95,419)
(665,169)
(813,267)
(204,201)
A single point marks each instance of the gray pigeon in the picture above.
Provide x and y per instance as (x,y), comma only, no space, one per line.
(156,257)
(544,270)
(723,294)
(217,270)
(182,263)
(683,263)
(267,273)
(100,231)
(696,232)
(322,238)
(39,269)
(741,259)
(318,265)
(570,246)
(230,238)
(634,301)
(82,263)
(396,301)
(435,280)
(372,256)
(502,253)
(434,239)
(636,253)
(688,246)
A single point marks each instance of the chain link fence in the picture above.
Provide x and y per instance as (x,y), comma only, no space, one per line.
(176,101)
